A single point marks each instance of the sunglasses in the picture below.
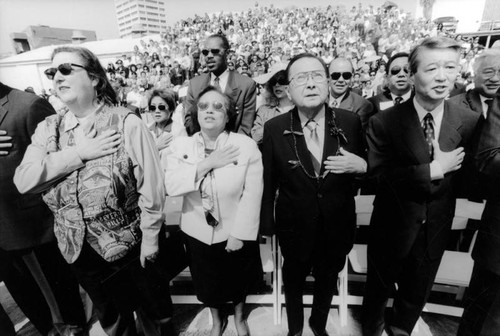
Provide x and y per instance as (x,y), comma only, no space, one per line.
(217,106)
(65,69)
(214,52)
(159,107)
(397,69)
(337,75)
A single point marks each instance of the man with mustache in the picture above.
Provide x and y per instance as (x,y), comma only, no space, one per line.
(341,95)
(242,89)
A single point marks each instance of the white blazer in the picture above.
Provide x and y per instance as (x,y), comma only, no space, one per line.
(239,187)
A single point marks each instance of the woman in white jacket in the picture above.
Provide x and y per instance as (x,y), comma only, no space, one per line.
(219,173)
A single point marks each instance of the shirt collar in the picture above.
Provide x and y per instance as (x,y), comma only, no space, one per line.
(405,97)
(223,76)
(221,140)
(71,121)
(338,99)
(436,113)
(319,118)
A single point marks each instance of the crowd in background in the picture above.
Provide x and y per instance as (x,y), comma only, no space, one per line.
(263,36)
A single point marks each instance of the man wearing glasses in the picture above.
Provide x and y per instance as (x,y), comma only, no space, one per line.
(398,84)
(415,151)
(311,156)
(341,96)
(241,88)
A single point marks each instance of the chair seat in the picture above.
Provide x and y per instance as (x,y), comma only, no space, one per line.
(358,258)
(455,269)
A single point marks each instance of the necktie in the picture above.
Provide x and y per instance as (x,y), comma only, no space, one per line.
(335,103)
(429,132)
(314,145)
(488,102)
(217,83)
(398,100)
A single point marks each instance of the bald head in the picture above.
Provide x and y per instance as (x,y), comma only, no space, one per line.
(341,72)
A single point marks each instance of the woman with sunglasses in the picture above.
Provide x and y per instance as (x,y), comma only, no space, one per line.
(277,100)
(219,174)
(99,172)
(162,104)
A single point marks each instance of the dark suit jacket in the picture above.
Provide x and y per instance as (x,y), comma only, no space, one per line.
(25,220)
(306,207)
(355,103)
(382,98)
(406,197)
(487,248)
(469,99)
(243,92)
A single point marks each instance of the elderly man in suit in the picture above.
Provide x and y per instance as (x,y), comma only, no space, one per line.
(341,96)
(415,150)
(482,305)
(398,84)
(240,88)
(31,265)
(311,155)
(486,84)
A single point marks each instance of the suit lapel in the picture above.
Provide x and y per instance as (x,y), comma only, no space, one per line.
(347,102)
(302,151)
(449,137)
(4,99)
(330,143)
(474,101)
(412,133)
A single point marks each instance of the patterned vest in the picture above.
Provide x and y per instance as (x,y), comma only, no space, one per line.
(98,202)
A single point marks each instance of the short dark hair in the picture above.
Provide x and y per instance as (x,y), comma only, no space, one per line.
(230,109)
(438,42)
(104,90)
(223,38)
(304,55)
(167,95)
(394,57)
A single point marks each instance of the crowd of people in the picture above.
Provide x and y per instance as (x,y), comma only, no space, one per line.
(265,122)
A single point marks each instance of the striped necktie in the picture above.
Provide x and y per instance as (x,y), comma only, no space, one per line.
(217,83)
(429,132)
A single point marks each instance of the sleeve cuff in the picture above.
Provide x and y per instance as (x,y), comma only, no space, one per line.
(436,171)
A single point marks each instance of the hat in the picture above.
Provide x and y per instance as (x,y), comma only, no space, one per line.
(262,79)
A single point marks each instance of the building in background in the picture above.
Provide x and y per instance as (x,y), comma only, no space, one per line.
(140,17)
(471,15)
(34,37)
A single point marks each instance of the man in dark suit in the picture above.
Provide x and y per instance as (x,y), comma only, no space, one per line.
(311,155)
(486,84)
(241,88)
(398,84)
(415,151)
(482,304)
(341,96)
(31,265)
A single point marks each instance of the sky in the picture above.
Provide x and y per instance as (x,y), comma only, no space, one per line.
(100,16)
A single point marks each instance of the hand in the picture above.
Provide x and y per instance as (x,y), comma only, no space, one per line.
(151,257)
(5,143)
(345,163)
(449,161)
(222,157)
(92,147)
(164,140)
(233,244)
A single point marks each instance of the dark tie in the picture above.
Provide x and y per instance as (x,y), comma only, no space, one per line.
(398,100)
(217,84)
(488,102)
(429,132)
(314,145)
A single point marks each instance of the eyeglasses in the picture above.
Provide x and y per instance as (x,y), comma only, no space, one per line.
(65,69)
(214,52)
(489,73)
(217,106)
(159,107)
(302,77)
(337,75)
(397,69)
